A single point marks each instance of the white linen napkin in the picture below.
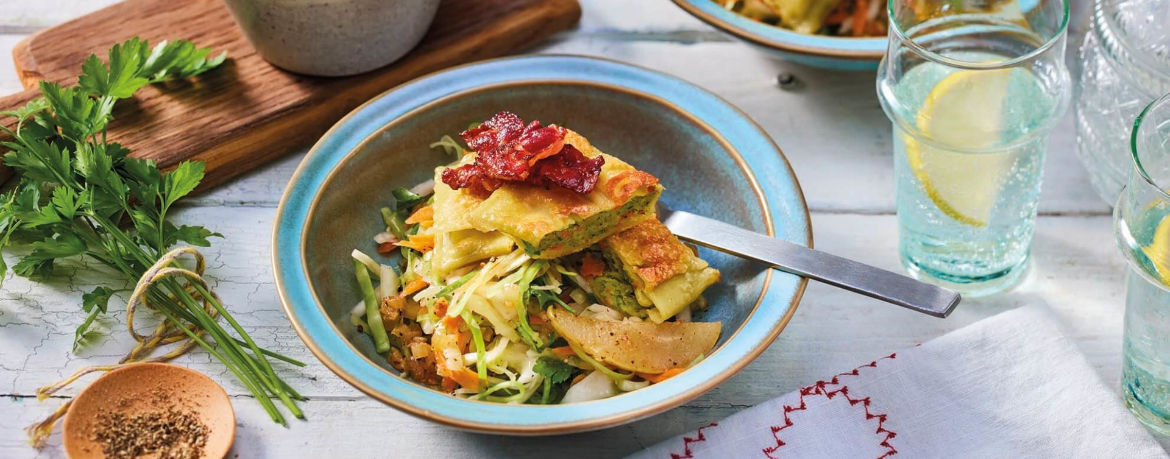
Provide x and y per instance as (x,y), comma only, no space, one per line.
(1011,386)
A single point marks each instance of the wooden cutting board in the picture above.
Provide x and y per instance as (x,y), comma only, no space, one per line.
(248,112)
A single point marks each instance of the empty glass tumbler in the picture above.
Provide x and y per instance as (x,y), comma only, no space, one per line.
(1142,226)
(1124,64)
(973,89)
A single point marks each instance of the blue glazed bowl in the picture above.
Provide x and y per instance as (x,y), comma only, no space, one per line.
(839,53)
(712,159)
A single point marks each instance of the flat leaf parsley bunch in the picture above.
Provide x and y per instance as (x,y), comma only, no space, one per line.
(80,195)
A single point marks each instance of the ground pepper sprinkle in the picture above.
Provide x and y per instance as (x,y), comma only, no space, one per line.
(169,434)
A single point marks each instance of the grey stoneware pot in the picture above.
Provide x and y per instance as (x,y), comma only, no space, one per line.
(333,37)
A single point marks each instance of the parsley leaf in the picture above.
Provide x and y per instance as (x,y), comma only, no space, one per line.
(94,304)
(39,263)
(195,235)
(181,182)
(119,79)
(556,374)
(553,369)
(179,59)
(544,297)
(74,111)
(405,199)
(132,64)
(98,298)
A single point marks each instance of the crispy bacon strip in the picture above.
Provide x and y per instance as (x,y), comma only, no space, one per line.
(471,177)
(570,169)
(501,128)
(507,150)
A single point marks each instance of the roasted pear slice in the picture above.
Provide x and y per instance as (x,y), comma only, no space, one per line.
(643,347)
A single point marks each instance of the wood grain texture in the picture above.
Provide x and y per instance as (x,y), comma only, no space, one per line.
(248,112)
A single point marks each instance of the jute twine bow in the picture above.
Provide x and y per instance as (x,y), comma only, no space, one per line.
(166,333)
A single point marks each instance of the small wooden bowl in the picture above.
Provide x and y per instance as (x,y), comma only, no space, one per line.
(136,389)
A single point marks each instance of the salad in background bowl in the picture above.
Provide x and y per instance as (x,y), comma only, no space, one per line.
(832,34)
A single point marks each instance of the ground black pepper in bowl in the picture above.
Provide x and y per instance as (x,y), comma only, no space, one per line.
(169,434)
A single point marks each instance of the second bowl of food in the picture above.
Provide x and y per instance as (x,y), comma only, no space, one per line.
(834,34)
(503,213)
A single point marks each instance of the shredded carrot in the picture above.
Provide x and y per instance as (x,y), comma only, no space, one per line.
(414,286)
(441,307)
(452,323)
(661,376)
(420,214)
(591,267)
(578,378)
(427,223)
(387,247)
(420,242)
(860,8)
(563,351)
(466,378)
(454,326)
(536,320)
(449,384)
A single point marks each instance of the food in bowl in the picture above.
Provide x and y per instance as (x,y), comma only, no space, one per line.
(533,269)
(840,18)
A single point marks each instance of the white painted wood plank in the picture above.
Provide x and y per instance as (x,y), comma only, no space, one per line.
(9,83)
(1077,271)
(262,187)
(647,17)
(29,15)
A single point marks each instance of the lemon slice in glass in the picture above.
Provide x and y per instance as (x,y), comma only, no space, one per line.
(1159,251)
(963,111)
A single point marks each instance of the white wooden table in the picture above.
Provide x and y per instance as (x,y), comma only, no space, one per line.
(833,132)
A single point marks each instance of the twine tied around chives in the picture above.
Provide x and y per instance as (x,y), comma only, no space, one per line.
(166,333)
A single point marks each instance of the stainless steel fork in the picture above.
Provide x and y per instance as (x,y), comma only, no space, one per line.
(802,261)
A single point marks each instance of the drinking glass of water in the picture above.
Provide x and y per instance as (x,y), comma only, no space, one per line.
(973,88)
(1142,228)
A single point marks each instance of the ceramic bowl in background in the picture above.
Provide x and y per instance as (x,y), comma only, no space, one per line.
(712,159)
(333,37)
(824,51)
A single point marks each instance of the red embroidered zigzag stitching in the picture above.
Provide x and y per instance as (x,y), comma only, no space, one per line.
(819,389)
(688,441)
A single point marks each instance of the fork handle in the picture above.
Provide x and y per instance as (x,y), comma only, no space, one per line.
(821,266)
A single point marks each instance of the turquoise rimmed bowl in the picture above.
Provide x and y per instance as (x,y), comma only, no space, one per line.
(839,53)
(711,157)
